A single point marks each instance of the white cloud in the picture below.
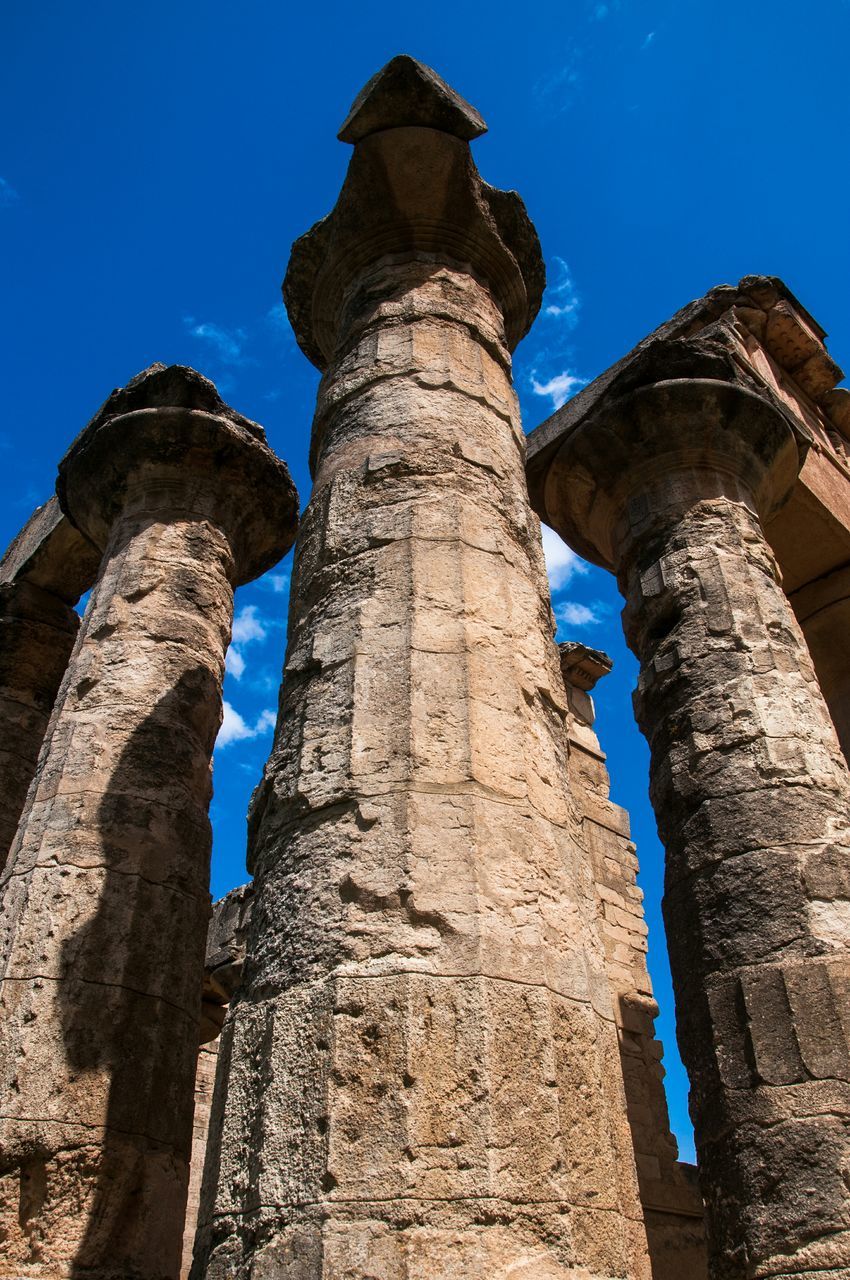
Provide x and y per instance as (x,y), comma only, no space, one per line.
(577,615)
(228,344)
(648,41)
(234,663)
(559,388)
(8,194)
(234,727)
(561,562)
(564,301)
(276,582)
(248,626)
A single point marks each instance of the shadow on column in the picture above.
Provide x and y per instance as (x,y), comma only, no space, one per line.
(132,973)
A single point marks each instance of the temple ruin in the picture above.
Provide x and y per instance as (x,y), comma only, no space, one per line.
(420,1045)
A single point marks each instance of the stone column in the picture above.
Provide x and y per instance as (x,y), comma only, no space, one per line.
(672,1206)
(42,576)
(105,898)
(422,1074)
(670,483)
(823,611)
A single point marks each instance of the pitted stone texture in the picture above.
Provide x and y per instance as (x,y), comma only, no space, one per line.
(204,1087)
(753,804)
(105,898)
(752,798)
(823,611)
(42,575)
(423,1069)
(406,92)
(672,1205)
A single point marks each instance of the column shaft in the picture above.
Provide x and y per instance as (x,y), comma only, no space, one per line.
(105,900)
(37,633)
(45,570)
(671,484)
(423,1063)
(752,805)
(105,914)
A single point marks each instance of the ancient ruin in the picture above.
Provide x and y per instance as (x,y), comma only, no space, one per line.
(420,1045)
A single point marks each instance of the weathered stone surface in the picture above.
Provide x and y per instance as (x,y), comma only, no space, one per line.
(204,1087)
(672,1206)
(750,790)
(42,575)
(105,898)
(225,956)
(823,611)
(423,1076)
(757,335)
(406,92)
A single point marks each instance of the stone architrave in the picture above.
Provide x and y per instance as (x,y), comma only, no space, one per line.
(670,481)
(423,1078)
(42,576)
(105,898)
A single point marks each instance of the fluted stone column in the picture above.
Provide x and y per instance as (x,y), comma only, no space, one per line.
(823,611)
(105,899)
(42,576)
(670,484)
(422,1074)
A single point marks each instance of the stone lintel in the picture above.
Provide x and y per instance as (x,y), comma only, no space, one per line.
(51,554)
(412,191)
(168,425)
(756,334)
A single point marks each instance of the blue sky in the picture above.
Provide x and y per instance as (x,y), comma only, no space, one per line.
(159,159)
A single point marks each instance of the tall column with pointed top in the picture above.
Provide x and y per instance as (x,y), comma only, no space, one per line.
(105,900)
(423,1072)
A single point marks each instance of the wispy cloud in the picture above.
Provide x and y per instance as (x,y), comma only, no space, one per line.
(276,582)
(562,563)
(559,388)
(278,322)
(648,41)
(560,87)
(235,728)
(563,300)
(234,662)
(228,344)
(573,614)
(8,194)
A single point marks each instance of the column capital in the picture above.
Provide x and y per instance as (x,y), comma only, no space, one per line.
(412,191)
(643,454)
(168,440)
